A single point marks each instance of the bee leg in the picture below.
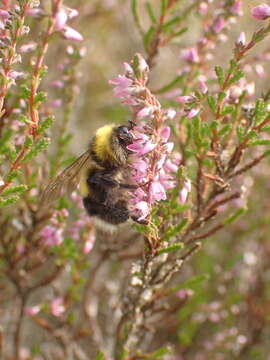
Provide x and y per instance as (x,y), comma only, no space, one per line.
(129,186)
(141,222)
(102,180)
(90,206)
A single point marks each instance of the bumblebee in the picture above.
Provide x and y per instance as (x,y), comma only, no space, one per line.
(103,175)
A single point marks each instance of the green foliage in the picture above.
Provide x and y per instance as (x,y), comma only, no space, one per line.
(212,103)
(235,216)
(45,124)
(36,148)
(172,231)
(150,12)
(148,36)
(100,356)
(18,189)
(220,75)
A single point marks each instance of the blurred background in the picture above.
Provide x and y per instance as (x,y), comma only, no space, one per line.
(221,310)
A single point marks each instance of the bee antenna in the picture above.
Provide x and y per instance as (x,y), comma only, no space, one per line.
(131,124)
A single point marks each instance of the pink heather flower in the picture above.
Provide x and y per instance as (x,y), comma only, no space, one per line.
(57,84)
(236,8)
(122,88)
(20,249)
(259,70)
(60,19)
(19,139)
(72,13)
(51,235)
(88,246)
(190,55)
(203,7)
(71,34)
(166,180)
(170,114)
(156,192)
(16,75)
(219,25)
(183,195)
(141,148)
(34,12)
(56,103)
(170,166)
(165,133)
(161,161)
(193,112)
(182,294)
(145,112)
(140,165)
(241,39)
(261,12)
(168,148)
(121,81)
(4,14)
(185,99)
(143,66)
(128,69)
(141,210)
(57,306)
(172,94)
(139,194)
(203,87)
(185,191)
(31,46)
(250,89)
(32,310)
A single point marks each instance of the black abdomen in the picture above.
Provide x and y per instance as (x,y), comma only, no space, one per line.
(112,213)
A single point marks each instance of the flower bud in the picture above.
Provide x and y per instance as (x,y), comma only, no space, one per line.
(261,12)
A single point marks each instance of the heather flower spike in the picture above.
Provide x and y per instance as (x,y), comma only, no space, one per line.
(150,151)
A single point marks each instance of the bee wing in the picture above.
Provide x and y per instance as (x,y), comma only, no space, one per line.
(67,180)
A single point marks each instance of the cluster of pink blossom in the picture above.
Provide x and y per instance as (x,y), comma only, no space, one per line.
(214,28)
(261,12)
(191,55)
(56,308)
(83,223)
(4,16)
(62,16)
(67,78)
(53,233)
(153,164)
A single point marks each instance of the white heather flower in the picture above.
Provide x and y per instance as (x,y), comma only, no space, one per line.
(241,39)
(25,30)
(34,3)
(143,66)
(170,114)
(60,19)
(147,294)
(136,268)
(193,112)
(250,258)
(28,47)
(136,281)
(72,34)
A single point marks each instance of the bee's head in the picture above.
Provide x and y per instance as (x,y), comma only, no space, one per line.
(124,136)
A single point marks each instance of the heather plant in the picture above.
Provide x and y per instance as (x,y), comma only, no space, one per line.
(192,280)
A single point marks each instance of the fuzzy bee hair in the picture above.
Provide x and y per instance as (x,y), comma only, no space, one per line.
(103,175)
